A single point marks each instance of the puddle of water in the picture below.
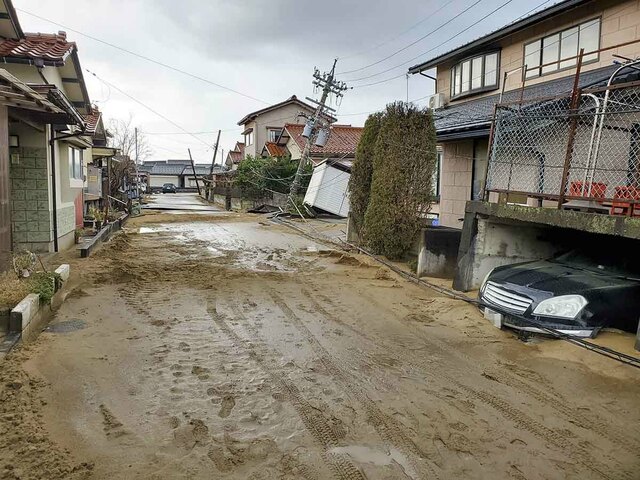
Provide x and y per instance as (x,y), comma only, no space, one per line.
(364,454)
(67,326)
(257,248)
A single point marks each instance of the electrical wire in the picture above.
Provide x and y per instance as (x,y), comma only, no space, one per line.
(423,53)
(580,342)
(143,57)
(130,97)
(398,35)
(441,44)
(414,42)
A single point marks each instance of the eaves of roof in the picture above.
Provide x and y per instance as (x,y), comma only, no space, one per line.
(291,100)
(478,114)
(496,35)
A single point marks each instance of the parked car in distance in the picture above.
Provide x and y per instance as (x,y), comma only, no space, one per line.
(168,188)
(578,293)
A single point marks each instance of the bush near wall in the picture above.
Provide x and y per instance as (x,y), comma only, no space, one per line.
(401,189)
(259,177)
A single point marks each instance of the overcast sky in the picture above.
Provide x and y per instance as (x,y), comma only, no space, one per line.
(264,49)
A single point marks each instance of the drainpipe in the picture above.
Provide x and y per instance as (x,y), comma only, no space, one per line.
(52,143)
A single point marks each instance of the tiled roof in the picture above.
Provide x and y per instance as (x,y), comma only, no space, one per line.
(164,169)
(235,156)
(52,47)
(343,139)
(291,100)
(200,169)
(91,120)
(479,113)
(275,150)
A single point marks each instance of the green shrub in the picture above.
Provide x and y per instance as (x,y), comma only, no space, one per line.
(362,171)
(258,177)
(44,284)
(401,184)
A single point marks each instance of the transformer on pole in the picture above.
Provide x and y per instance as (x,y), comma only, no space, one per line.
(317,129)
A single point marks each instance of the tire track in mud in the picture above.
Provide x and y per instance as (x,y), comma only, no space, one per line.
(318,425)
(616,436)
(508,411)
(388,428)
(588,422)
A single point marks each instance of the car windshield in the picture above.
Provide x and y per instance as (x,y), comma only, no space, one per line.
(604,260)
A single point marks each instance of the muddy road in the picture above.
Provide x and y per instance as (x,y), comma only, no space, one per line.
(226,347)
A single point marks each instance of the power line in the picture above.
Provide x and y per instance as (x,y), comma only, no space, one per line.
(143,57)
(397,36)
(414,42)
(146,106)
(428,51)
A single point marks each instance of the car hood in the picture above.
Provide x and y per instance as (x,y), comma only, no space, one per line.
(557,278)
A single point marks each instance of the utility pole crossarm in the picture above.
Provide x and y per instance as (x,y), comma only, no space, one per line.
(315,124)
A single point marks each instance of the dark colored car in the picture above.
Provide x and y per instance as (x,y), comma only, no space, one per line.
(168,188)
(577,293)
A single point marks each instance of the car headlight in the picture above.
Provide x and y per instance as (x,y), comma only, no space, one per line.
(564,306)
(484,282)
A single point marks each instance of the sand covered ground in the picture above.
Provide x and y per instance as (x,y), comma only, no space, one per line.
(224,346)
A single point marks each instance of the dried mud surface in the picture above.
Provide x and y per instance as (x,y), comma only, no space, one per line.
(227,347)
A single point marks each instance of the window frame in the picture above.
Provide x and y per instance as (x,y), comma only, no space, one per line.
(276,130)
(76,162)
(559,61)
(483,86)
(248,139)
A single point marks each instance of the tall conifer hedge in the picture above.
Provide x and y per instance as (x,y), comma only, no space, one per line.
(362,171)
(401,190)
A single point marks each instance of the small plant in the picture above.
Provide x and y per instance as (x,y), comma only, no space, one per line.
(98,216)
(79,233)
(45,284)
(24,263)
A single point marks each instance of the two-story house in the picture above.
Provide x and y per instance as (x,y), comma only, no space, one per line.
(265,125)
(45,158)
(532,57)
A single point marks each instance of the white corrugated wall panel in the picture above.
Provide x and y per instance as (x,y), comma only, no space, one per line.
(331,192)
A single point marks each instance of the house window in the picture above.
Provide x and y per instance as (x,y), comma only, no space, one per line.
(556,48)
(75,163)
(248,138)
(273,134)
(475,74)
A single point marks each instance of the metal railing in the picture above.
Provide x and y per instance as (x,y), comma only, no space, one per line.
(584,145)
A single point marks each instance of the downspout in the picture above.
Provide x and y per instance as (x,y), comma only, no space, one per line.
(53,187)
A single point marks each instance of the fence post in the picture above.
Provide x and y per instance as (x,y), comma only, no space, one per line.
(490,152)
(575,104)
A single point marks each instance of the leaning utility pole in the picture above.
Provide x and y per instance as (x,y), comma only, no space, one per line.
(195,175)
(316,130)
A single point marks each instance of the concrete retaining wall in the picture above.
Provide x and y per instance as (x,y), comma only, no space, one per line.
(438,252)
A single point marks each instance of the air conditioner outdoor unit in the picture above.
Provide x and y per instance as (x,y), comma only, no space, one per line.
(436,101)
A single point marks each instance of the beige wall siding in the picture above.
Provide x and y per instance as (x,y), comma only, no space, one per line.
(274,118)
(455,181)
(620,22)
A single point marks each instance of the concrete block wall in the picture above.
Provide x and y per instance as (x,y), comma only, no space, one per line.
(32,226)
(66,226)
(455,182)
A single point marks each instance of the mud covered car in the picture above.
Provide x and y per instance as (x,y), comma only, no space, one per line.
(577,293)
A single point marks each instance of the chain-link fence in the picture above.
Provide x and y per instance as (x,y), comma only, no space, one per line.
(555,149)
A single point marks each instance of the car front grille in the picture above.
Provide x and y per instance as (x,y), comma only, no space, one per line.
(498,296)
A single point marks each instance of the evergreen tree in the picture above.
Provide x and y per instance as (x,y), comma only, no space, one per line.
(362,170)
(401,185)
